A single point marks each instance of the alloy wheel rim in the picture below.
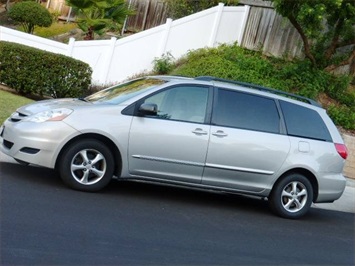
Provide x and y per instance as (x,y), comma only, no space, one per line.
(88,166)
(294,196)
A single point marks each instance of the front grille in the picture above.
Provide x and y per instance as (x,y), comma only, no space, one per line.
(8,144)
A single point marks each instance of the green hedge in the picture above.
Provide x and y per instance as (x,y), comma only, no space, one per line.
(33,71)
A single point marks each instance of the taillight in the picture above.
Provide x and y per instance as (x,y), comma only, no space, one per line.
(342,150)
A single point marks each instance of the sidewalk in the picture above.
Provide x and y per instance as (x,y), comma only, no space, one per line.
(346,203)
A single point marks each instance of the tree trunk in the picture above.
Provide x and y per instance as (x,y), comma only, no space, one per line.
(306,45)
(352,64)
(350,61)
(7,5)
(89,35)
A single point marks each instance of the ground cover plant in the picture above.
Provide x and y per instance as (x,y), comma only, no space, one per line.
(55,29)
(297,76)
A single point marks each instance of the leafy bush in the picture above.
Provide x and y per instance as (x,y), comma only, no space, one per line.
(338,90)
(32,71)
(342,115)
(30,14)
(164,64)
(181,8)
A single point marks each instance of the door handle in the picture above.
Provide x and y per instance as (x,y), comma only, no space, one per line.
(199,131)
(220,133)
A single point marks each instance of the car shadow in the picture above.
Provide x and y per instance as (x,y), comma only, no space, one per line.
(182,195)
(144,192)
(33,174)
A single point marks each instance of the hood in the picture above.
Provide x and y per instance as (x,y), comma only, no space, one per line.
(46,105)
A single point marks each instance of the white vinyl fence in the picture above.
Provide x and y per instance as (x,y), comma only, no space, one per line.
(115,60)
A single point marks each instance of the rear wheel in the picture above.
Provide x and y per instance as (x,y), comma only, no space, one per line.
(292,196)
(86,165)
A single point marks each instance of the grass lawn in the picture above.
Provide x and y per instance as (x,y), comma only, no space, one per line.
(55,29)
(9,102)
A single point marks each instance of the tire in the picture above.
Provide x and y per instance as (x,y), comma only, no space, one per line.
(86,165)
(292,196)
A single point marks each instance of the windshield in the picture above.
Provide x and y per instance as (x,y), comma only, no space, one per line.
(124,91)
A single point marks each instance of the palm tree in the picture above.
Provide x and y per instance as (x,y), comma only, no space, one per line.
(97,16)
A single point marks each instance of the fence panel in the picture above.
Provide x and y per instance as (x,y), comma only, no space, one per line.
(149,14)
(10,35)
(115,60)
(269,32)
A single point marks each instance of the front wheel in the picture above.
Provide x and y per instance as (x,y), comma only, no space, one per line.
(86,165)
(292,196)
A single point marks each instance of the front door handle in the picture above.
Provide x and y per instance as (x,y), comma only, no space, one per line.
(219,133)
(199,131)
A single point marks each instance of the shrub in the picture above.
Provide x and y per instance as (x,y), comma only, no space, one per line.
(181,8)
(32,71)
(164,64)
(30,14)
(343,115)
(338,90)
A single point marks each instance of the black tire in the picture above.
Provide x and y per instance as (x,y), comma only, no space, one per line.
(86,165)
(291,196)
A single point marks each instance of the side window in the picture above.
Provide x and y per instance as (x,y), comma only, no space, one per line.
(246,111)
(183,103)
(304,122)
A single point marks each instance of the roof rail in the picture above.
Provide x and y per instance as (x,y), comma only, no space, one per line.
(261,88)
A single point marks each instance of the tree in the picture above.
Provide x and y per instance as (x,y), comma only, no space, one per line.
(325,26)
(30,14)
(97,16)
(181,8)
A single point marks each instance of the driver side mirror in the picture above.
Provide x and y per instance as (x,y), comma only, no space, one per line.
(148,109)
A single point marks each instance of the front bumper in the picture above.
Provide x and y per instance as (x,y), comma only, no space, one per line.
(35,143)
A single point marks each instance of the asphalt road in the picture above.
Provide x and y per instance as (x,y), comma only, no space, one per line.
(45,223)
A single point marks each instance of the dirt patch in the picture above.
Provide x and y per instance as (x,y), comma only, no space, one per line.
(29,96)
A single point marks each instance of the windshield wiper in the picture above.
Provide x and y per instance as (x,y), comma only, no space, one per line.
(83,99)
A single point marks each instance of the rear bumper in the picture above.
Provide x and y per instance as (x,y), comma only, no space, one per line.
(331,188)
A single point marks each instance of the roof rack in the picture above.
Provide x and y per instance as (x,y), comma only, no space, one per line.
(261,88)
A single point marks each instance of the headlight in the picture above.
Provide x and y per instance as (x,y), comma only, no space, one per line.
(52,115)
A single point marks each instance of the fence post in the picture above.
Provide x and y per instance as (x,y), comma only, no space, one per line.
(244,24)
(69,14)
(215,26)
(164,40)
(108,60)
(70,47)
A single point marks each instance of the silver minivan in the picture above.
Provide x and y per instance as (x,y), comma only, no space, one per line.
(199,132)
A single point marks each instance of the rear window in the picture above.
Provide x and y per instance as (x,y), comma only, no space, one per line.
(304,122)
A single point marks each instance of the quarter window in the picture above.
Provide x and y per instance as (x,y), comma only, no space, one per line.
(304,122)
(183,103)
(246,111)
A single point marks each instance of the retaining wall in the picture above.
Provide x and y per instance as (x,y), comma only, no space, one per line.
(349,169)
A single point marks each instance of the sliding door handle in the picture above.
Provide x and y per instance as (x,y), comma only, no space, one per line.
(199,131)
(219,133)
